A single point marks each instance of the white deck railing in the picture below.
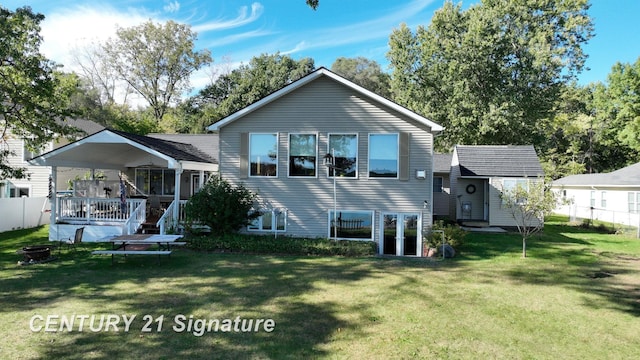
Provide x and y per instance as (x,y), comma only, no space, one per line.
(137,217)
(97,210)
(166,220)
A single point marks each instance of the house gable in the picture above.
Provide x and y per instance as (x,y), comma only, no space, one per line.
(324,73)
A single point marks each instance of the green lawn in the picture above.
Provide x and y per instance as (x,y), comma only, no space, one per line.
(576,296)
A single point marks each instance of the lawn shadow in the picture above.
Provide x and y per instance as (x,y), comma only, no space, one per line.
(608,280)
(205,285)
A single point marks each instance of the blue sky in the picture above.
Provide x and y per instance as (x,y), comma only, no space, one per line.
(237,30)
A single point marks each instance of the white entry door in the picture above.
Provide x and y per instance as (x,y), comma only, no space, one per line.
(401,234)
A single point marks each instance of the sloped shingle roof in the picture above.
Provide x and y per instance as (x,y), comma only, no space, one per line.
(177,150)
(499,160)
(627,176)
(442,163)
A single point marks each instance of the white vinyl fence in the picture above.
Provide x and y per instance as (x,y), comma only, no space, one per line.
(23,213)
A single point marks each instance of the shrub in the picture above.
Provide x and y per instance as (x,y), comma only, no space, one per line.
(453,235)
(267,244)
(221,206)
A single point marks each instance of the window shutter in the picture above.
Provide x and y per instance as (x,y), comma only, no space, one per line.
(244,155)
(403,165)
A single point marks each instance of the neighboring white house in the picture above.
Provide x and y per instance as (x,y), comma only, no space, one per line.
(479,173)
(613,197)
(37,183)
(383,152)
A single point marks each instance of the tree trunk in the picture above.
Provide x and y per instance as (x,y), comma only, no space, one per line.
(524,247)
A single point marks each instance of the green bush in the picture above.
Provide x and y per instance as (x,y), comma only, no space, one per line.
(453,235)
(267,244)
(224,208)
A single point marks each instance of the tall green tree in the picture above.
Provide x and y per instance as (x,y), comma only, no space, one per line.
(364,72)
(33,100)
(490,74)
(568,148)
(156,60)
(247,84)
(616,106)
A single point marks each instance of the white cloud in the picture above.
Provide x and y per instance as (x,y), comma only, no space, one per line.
(172,6)
(363,31)
(80,26)
(243,18)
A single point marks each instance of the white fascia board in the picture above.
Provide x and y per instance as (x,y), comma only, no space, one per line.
(198,166)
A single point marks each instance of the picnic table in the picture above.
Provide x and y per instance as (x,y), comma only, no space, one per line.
(139,244)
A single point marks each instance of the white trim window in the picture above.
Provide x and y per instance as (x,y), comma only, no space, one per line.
(274,220)
(510,185)
(351,224)
(603,199)
(28,154)
(592,199)
(384,158)
(344,148)
(156,181)
(11,190)
(303,155)
(263,154)
(634,202)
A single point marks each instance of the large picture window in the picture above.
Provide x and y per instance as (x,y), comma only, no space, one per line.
(303,154)
(344,148)
(351,225)
(263,154)
(156,181)
(383,155)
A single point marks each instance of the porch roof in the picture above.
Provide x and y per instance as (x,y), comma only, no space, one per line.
(112,149)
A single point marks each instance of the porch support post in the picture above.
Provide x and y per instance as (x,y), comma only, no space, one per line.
(201,182)
(176,195)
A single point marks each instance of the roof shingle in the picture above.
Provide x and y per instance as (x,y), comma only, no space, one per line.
(499,160)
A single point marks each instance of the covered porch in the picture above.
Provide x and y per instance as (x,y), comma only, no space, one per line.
(154,178)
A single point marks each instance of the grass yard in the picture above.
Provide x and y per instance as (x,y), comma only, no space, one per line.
(577,295)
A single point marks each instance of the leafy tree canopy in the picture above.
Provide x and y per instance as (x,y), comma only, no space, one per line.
(364,72)
(247,84)
(34,101)
(156,60)
(490,74)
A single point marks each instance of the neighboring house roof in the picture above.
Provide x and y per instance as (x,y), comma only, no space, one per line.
(442,163)
(627,176)
(498,161)
(435,128)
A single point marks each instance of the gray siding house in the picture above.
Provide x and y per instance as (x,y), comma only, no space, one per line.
(479,173)
(376,184)
(441,185)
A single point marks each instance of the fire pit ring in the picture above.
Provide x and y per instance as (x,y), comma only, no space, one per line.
(36,252)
